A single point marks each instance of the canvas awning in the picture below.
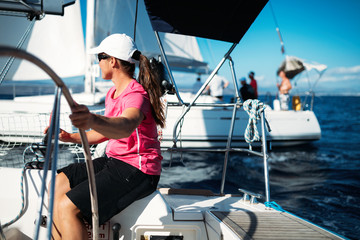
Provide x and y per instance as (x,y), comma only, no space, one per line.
(35,8)
(226,20)
(292,66)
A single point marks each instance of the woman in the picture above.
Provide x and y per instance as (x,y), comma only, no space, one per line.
(132,165)
(284,89)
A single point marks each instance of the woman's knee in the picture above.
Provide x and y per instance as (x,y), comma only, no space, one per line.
(62,184)
(67,206)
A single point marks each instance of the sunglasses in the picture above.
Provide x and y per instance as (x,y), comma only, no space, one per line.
(102,56)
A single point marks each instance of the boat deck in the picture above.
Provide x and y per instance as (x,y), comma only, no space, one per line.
(246,220)
(271,225)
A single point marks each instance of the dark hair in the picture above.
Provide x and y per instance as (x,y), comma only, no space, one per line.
(281,68)
(150,81)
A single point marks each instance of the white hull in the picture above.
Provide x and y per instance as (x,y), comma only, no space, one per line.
(208,127)
(190,214)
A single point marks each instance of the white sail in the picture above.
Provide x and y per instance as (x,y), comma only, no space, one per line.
(108,17)
(56,40)
(119,17)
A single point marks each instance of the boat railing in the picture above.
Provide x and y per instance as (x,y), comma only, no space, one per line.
(229,149)
(52,143)
(236,105)
(312,98)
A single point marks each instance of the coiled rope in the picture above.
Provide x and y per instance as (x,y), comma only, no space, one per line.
(253,107)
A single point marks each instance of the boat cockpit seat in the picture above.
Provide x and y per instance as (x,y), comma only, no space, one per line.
(142,210)
(100,150)
(15,234)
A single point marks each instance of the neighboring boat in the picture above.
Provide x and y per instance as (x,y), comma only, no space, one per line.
(208,127)
(172,214)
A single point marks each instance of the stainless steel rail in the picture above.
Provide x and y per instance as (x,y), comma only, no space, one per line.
(208,80)
(235,106)
(166,62)
(18,53)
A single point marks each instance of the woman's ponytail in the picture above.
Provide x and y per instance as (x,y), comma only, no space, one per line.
(149,79)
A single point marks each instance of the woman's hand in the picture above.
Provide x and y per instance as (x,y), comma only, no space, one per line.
(63,135)
(81,117)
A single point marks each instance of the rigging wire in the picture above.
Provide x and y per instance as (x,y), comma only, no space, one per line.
(11,59)
(136,14)
(277,29)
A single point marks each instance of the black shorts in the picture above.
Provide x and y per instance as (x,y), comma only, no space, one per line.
(118,184)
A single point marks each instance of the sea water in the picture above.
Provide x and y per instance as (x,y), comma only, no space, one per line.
(319,182)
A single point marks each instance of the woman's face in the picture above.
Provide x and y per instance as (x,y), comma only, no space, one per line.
(105,65)
(282,74)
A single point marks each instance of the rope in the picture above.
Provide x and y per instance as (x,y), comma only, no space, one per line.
(22,210)
(275,206)
(253,107)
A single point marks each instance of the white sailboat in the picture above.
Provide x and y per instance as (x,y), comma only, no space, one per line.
(201,126)
(167,213)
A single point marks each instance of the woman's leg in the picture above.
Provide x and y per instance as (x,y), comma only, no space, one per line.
(71,225)
(66,221)
(62,186)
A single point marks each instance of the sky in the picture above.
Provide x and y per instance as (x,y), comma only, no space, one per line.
(321,31)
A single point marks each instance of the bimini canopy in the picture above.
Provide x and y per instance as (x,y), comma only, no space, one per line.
(225,20)
(292,66)
(33,8)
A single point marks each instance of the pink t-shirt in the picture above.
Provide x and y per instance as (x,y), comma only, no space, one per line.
(142,148)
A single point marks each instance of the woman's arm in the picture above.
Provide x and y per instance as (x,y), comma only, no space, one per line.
(92,136)
(109,127)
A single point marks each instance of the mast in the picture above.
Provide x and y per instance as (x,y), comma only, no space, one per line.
(277,29)
(89,84)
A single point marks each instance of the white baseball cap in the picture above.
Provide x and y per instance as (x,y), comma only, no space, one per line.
(117,45)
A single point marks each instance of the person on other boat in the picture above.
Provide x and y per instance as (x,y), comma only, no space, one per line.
(197,85)
(246,91)
(253,83)
(284,90)
(217,86)
(131,168)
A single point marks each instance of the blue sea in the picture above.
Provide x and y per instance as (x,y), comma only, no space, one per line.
(319,182)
